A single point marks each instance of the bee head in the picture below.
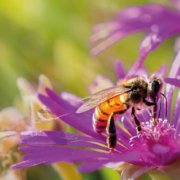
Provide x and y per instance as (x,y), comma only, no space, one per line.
(138,90)
(155,86)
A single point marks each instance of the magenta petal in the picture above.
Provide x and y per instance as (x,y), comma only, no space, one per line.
(173,81)
(157,36)
(90,166)
(175,68)
(161,71)
(174,72)
(178,127)
(138,69)
(81,122)
(123,137)
(160,149)
(25,164)
(57,99)
(119,69)
(115,36)
(52,154)
(93,164)
(127,122)
(176,114)
(71,99)
(60,138)
(158,21)
(50,137)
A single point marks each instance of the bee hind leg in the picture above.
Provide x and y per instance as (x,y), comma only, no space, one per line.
(133,113)
(111,133)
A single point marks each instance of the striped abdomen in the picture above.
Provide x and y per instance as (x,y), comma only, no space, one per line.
(104,110)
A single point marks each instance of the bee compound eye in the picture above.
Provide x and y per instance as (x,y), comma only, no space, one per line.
(155,86)
(134,88)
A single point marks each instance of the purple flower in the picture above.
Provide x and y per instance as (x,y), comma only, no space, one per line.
(156,147)
(157,21)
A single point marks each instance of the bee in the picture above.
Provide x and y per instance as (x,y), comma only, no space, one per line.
(135,93)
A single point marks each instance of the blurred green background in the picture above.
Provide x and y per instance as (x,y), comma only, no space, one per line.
(52,37)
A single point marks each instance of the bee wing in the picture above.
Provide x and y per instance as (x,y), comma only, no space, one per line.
(101,96)
(4,134)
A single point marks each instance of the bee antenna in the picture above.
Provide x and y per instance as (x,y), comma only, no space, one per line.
(165,101)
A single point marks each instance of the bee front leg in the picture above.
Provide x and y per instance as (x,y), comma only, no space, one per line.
(111,133)
(154,104)
(136,119)
(154,110)
(148,103)
(154,115)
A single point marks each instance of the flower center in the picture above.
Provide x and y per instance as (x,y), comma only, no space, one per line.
(159,142)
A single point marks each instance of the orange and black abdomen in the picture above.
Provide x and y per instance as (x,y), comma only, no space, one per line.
(104,110)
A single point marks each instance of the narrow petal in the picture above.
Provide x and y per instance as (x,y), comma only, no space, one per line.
(177,128)
(116,36)
(72,99)
(158,21)
(174,71)
(123,137)
(173,81)
(52,154)
(81,122)
(176,114)
(119,69)
(138,69)
(128,124)
(93,164)
(161,71)
(90,166)
(61,138)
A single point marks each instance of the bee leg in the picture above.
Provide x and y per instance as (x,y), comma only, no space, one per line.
(135,119)
(154,111)
(111,132)
(148,103)
(154,114)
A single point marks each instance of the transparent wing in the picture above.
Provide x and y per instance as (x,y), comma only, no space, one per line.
(100,97)
(4,134)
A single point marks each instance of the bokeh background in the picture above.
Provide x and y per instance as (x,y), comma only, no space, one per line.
(51,37)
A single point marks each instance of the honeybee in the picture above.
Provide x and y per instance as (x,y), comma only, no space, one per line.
(134,93)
